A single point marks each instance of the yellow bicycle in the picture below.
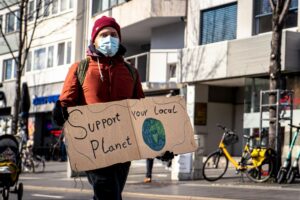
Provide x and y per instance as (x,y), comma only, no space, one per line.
(257,162)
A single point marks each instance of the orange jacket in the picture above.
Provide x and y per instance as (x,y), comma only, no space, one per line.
(117,83)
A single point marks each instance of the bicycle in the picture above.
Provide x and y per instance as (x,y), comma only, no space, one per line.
(256,162)
(32,163)
(289,171)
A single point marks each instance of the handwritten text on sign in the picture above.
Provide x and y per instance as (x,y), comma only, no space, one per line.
(103,134)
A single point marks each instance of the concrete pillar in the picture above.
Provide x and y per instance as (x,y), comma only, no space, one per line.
(189,166)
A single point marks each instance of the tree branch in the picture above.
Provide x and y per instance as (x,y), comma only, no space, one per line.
(24,38)
(272,4)
(6,6)
(32,34)
(284,11)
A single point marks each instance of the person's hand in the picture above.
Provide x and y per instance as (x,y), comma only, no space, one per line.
(60,114)
(166,156)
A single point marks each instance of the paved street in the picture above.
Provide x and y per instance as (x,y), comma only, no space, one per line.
(53,184)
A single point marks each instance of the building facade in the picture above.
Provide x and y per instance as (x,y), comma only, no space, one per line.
(226,61)
(56,44)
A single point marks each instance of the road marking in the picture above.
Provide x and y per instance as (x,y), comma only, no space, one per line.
(143,175)
(125,194)
(167,197)
(30,178)
(47,196)
(160,175)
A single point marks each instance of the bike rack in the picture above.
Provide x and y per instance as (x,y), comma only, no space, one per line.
(280,105)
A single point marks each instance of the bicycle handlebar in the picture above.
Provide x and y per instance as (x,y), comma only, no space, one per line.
(227,130)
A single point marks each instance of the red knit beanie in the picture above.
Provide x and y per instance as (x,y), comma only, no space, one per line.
(105,22)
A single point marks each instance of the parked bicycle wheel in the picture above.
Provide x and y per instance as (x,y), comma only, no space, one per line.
(261,173)
(215,166)
(28,165)
(39,164)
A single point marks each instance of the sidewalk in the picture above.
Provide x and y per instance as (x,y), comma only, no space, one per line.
(162,187)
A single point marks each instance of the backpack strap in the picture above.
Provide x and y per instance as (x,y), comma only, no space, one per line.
(131,71)
(82,69)
(133,74)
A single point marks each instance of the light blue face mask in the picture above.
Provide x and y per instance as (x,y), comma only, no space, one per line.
(108,46)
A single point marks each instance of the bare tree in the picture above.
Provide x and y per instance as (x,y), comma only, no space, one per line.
(28,22)
(279,12)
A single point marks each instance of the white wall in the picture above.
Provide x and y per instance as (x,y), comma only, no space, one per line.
(159,60)
(53,29)
(204,62)
(136,11)
(245,19)
(168,37)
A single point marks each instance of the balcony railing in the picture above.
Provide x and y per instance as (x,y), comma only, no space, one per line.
(141,63)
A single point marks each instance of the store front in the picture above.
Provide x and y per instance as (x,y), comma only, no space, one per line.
(41,127)
(253,87)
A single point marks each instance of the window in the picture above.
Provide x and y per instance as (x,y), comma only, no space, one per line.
(1,19)
(29,61)
(47,4)
(113,2)
(171,71)
(105,4)
(69,52)
(63,5)
(9,70)
(39,8)
(142,67)
(50,56)
(71,4)
(263,16)
(61,53)
(17,13)
(101,5)
(30,10)
(39,59)
(218,24)
(54,6)
(140,62)
(12,22)
(96,6)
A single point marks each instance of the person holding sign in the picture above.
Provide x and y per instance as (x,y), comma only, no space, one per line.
(102,77)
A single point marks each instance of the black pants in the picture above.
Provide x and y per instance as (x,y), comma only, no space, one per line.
(108,182)
(149,166)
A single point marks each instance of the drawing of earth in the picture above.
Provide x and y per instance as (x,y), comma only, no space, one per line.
(154,134)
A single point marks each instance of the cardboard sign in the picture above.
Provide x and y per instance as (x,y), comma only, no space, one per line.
(104,134)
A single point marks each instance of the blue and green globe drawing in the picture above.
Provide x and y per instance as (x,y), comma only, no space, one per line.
(154,134)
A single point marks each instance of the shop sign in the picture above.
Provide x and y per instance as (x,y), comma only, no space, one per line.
(200,114)
(45,100)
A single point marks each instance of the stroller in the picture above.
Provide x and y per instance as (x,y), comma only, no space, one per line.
(10,166)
